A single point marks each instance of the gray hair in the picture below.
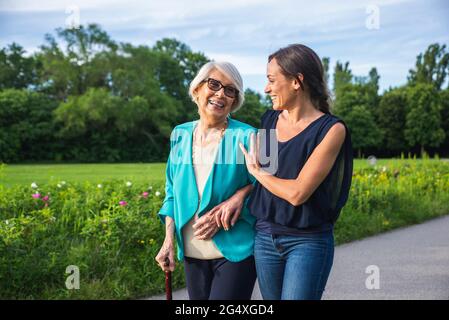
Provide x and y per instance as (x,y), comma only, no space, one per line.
(226,68)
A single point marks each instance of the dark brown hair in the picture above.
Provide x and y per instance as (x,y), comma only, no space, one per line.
(297,58)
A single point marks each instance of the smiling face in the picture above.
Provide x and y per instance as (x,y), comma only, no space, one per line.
(214,105)
(281,89)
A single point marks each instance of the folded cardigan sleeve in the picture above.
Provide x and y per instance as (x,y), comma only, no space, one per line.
(167,208)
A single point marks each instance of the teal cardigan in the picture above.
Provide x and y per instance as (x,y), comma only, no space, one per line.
(228,174)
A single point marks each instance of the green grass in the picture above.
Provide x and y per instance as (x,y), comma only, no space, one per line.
(95,173)
(363,163)
(17,174)
(115,245)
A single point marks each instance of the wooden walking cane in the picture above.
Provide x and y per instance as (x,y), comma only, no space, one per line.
(168,288)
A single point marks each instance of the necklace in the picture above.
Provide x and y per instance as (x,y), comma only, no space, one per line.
(198,144)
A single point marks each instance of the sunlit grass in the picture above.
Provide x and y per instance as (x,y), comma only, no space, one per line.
(95,173)
(136,172)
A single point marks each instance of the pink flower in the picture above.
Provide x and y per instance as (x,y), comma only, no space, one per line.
(145,194)
(123,203)
(36,195)
(45,198)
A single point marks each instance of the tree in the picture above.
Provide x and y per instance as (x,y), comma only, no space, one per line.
(350,95)
(16,70)
(133,71)
(326,62)
(444,99)
(342,77)
(137,73)
(177,68)
(79,65)
(252,109)
(391,119)
(423,120)
(353,106)
(432,67)
(364,130)
(189,61)
(26,129)
(369,87)
(373,88)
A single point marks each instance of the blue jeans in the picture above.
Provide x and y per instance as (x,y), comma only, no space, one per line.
(293,267)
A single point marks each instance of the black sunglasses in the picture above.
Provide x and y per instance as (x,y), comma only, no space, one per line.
(216,85)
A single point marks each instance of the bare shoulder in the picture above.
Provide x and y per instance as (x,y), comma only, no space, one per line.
(338,129)
(336,134)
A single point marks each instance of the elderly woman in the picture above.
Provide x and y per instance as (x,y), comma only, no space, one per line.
(207,183)
(298,200)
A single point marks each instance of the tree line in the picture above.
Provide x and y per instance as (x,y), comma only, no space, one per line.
(83,97)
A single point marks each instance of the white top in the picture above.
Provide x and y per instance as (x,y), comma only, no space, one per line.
(203,160)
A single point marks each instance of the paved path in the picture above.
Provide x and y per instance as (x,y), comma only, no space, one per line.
(413,263)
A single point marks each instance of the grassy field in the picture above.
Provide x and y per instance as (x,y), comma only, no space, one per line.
(112,233)
(97,173)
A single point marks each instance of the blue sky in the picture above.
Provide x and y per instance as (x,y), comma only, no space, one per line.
(246,32)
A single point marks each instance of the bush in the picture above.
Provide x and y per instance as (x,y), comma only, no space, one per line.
(81,224)
(114,245)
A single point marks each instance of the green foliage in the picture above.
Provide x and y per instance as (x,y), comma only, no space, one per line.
(423,121)
(87,98)
(178,68)
(81,63)
(114,246)
(363,129)
(16,70)
(26,128)
(391,116)
(398,194)
(444,99)
(189,61)
(342,77)
(326,61)
(80,224)
(252,109)
(431,67)
(355,106)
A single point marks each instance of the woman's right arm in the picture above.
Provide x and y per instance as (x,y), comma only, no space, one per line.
(166,214)
(167,250)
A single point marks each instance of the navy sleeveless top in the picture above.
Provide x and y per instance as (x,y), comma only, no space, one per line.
(319,213)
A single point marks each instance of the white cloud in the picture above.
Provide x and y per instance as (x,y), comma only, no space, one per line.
(246,32)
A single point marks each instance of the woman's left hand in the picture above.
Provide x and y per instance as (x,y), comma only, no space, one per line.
(252,156)
(228,212)
(205,227)
(223,215)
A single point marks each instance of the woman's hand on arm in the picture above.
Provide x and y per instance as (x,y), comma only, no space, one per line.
(167,251)
(223,215)
(297,191)
(228,212)
(205,227)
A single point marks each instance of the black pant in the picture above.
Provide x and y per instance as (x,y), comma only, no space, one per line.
(220,279)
